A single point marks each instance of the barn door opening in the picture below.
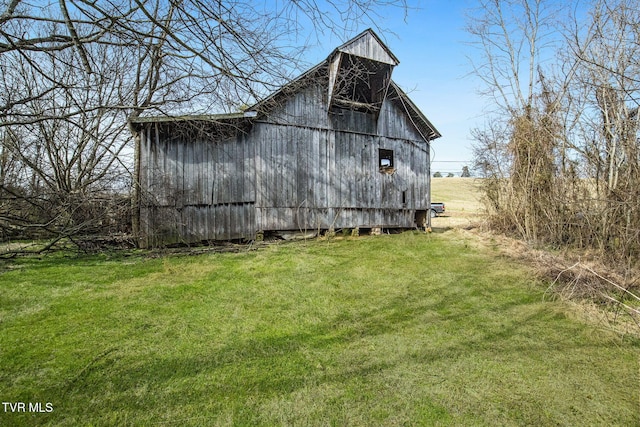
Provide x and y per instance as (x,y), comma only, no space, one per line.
(421,219)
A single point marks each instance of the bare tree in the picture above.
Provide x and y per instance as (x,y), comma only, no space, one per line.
(69,144)
(239,48)
(563,144)
(604,99)
(513,37)
(76,71)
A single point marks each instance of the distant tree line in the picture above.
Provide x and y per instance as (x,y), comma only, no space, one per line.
(561,149)
(464,174)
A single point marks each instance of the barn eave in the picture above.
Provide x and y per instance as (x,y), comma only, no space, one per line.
(213,118)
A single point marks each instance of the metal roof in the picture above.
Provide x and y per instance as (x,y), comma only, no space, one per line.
(197,117)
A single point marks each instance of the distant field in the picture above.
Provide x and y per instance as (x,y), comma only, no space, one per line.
(461,197)
(408,329)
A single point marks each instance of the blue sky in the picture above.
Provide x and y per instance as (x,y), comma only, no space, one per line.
(434,70)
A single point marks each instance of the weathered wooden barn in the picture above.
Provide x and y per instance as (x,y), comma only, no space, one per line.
(341,146)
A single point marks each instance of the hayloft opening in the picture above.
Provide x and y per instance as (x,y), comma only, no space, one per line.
(359,84)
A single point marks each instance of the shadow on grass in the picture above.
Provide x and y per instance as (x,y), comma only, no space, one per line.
(280,364)
(462,320)
(440,230)
(230,370)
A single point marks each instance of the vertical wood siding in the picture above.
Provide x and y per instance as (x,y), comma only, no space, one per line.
(195,188)
(323,172)
(297,168)
(368,47)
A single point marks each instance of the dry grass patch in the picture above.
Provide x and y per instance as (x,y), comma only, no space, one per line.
(607,296)
(462,200)
(462,195)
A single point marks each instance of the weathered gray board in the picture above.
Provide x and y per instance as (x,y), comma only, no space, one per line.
(368,45)
(296,163)
(326,174)
(283,176)
(195,189)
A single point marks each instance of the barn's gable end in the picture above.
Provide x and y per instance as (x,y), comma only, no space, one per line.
(368,45)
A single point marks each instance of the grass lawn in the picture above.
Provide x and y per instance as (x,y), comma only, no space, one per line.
(409,329)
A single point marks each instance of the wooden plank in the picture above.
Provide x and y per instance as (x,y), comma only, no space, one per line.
(274,182)
(211,222)
(290,165)
(200,160)
(333,197)
(270,192)
(227,170)
(338,172)
(168,176)
(316,182)
(161,173)
(189,172)
(372,171)
(285,166)
(280,173)
(379,177)
(201,220)
(239,170)
(359,172)
(260,178)
(343,168)
(320,172)
(233,171)
(368,47)
(208,172)
(251,220)
(214,172)
(221,219)
(221,172)
(355,156)
(249,169)
(179,174)
(302,148)
(240,165)
(353,141)
(259,164)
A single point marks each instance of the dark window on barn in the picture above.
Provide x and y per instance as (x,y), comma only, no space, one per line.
(385,159)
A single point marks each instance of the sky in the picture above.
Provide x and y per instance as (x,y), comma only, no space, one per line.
(434,71)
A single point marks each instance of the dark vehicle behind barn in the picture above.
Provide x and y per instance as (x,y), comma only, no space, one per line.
(437,209)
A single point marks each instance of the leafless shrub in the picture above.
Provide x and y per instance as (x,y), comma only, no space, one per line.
(561,153)
(615,295)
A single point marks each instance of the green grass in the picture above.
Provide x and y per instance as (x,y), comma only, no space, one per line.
(409,329)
